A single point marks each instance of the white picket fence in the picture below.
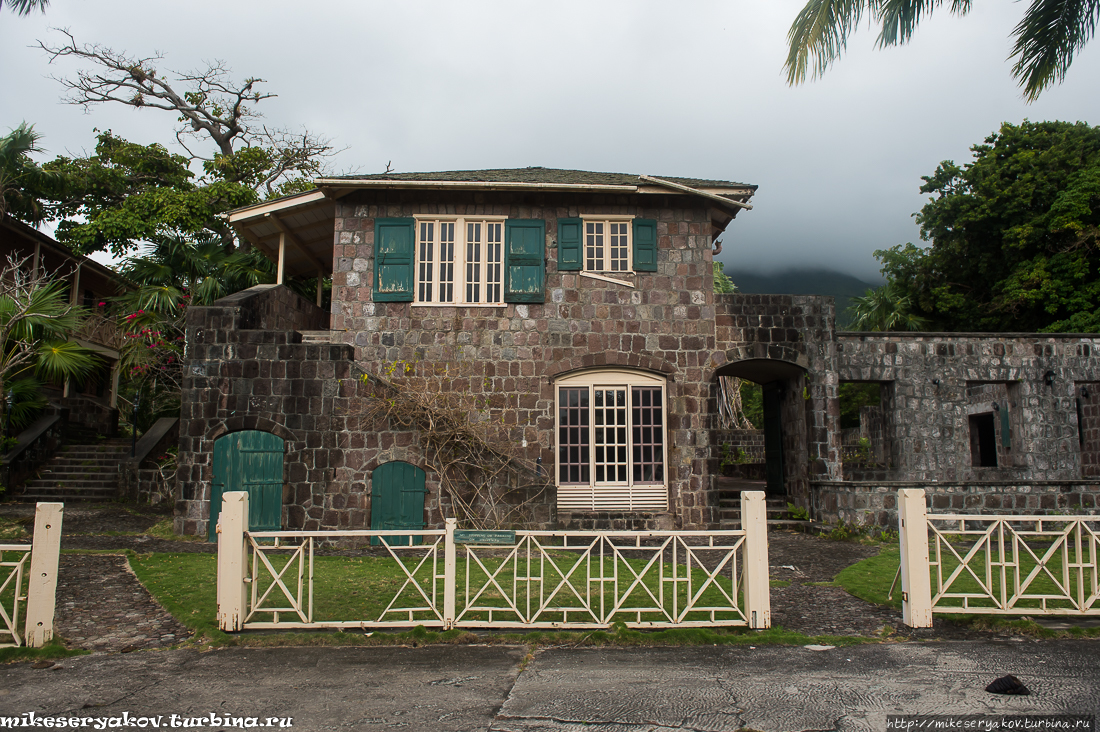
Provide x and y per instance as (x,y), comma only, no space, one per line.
(28,577)
(535,579)
(995,564)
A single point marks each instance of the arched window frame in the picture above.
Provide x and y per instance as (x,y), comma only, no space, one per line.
(632,484)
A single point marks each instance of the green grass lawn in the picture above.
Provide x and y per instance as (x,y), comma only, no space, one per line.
(360,588)
(871,578)
(376,589)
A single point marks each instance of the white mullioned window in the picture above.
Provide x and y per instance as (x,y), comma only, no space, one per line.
(459,260)
(611,442)
(606,244)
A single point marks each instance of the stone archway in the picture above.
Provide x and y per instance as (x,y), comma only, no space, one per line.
(786,444)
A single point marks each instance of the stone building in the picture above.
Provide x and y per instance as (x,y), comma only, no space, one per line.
(574,314)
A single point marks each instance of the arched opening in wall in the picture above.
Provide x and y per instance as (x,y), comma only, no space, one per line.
(776,447)
(866,426)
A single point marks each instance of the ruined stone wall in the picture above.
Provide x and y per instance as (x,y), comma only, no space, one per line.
(876,503)
(663,323)
(938,382)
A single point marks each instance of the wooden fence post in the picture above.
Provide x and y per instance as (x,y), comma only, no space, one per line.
(754,521)
(450,580)
(232,560)
(42,582)
(916,587)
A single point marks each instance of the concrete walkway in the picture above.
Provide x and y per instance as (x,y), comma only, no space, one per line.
(606,690)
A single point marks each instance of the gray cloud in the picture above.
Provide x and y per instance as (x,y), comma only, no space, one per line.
(693,88)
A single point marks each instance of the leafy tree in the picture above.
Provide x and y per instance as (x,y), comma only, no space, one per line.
(1014,235)
(1047,37)
(128,193)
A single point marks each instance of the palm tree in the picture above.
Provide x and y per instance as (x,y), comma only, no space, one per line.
(36,321)
(1051,32)
(20,177)
(884,308)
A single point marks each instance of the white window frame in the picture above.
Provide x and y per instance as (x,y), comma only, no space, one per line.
(611,495)
(605,264)
(459,262)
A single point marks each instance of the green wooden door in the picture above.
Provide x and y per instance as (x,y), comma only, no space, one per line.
(249,461)
(397,498)
(773,437)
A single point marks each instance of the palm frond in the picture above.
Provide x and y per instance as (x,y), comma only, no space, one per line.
(820,32)
(899,18)
(26,7)
(60,360)
(27,401)
(1051,32)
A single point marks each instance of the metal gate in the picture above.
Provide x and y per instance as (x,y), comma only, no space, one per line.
(250,461)
(494,579)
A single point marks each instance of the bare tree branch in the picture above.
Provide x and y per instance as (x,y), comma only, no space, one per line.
(210,105)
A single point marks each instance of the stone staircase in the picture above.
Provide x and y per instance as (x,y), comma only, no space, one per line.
(79,472)
(729,511)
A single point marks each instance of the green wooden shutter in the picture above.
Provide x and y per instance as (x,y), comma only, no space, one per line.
(570,236)
(394,259)
(645,245)
(524,260)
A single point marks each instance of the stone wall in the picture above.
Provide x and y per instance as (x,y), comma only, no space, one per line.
(238,379)
(875,503)
(660,322)
(935,383)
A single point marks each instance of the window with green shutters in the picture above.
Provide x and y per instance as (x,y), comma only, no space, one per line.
(607,244)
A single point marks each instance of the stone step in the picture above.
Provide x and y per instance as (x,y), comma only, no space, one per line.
(316,336)
(51,484)
(67,497)
(773,525)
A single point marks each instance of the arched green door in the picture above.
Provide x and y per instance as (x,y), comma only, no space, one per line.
(397,498)
(249,461)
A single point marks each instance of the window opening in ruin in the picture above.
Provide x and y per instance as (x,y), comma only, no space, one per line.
(862,424)
(983,441)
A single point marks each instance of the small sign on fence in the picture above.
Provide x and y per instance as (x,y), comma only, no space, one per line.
(477,536)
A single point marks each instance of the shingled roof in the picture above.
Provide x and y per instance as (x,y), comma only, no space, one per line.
(539,175)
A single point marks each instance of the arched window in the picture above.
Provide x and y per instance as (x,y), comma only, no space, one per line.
(611,442)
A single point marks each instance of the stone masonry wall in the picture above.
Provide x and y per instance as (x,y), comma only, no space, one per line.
(876,503)
(238,379)
(663,323)
(936,381)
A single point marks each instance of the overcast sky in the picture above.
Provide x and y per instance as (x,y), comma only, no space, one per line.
(687,88)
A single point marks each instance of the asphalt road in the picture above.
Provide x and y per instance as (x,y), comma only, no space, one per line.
(442,688)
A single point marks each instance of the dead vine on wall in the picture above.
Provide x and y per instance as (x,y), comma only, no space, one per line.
(488,482)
